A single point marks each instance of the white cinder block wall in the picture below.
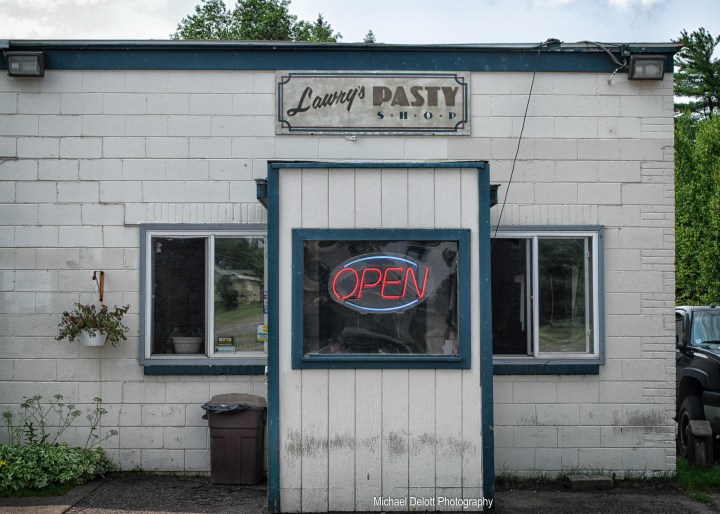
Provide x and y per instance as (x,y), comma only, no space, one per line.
(87,156)
(595,154)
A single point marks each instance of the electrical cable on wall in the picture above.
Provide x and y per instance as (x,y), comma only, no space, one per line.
(551,41)
(522,129)
(621,64)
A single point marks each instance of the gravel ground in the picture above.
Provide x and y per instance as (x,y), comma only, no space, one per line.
(136,493)
(155,494)
(655,499)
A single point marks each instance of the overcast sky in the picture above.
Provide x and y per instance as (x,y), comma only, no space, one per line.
(392,21)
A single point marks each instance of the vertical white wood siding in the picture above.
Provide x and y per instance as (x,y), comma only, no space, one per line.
(350,436)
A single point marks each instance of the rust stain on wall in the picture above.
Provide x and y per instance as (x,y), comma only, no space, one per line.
(397,443)
(455,447)
(298,445)
(644,419)
(342,442)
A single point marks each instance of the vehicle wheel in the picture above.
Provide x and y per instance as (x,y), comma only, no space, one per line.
(690,409)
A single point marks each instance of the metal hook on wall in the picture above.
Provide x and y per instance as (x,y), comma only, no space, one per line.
(100,284)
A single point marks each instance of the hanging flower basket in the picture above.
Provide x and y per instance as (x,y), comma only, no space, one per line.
(87,321)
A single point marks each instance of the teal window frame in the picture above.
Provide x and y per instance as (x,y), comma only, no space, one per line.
(389,361)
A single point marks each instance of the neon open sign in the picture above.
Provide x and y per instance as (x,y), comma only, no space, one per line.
(380,283)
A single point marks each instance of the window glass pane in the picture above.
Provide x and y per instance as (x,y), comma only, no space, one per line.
(239,277)
(706,328)
(565,292)
(380,297)
(511,289)
(178,295)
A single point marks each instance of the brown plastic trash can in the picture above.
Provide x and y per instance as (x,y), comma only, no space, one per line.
(237,433)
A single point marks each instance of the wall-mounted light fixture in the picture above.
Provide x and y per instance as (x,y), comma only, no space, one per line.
(25,64)
(646,67)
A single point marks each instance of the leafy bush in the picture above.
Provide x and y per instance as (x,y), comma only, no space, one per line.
(38,466)
(41,462)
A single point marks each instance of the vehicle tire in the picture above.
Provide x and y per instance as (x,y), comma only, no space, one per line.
(691,409)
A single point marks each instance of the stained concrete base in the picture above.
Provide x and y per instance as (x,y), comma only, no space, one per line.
(588,482)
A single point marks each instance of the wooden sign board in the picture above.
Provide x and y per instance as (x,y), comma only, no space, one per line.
(377,103)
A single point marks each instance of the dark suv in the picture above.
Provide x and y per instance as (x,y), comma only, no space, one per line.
(697,340)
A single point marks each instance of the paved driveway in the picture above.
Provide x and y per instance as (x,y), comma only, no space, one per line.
(137,493)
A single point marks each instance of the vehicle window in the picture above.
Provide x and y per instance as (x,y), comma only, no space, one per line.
(678,327)
(706,327)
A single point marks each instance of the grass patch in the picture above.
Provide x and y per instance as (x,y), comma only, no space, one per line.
(697,482)
(241,324)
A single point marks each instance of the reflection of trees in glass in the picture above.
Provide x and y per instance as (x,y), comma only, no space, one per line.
(563,307)
(239,283)
(227,292)
(562,284)
(245,255)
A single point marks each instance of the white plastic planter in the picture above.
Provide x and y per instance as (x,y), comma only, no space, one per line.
(97,340)
(187,344)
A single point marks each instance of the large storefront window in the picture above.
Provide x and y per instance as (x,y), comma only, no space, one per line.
(380,301)
(545,295)
(204,294)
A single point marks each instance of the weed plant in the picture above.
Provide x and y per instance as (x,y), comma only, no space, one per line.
(35,460)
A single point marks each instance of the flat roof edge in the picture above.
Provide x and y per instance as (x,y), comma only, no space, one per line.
(549,56)
(157,44)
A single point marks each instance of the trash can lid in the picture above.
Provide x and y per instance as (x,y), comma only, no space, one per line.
(230,400)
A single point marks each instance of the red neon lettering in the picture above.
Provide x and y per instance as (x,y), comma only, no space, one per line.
(386,282)
(334,283)
(411,272)
(363,284)
(394,287)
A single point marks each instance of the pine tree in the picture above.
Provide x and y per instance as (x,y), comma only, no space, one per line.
(697,76)
(320,31)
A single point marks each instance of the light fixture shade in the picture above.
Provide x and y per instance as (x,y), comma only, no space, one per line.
(25,64)
(646,67)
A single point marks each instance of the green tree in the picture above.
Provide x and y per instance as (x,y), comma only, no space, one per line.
(263,20)
(697,74)
(210,21)
(258,20)
(320,31)
(697,209)
(369,37)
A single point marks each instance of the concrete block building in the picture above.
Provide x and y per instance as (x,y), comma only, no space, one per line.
(537,178)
